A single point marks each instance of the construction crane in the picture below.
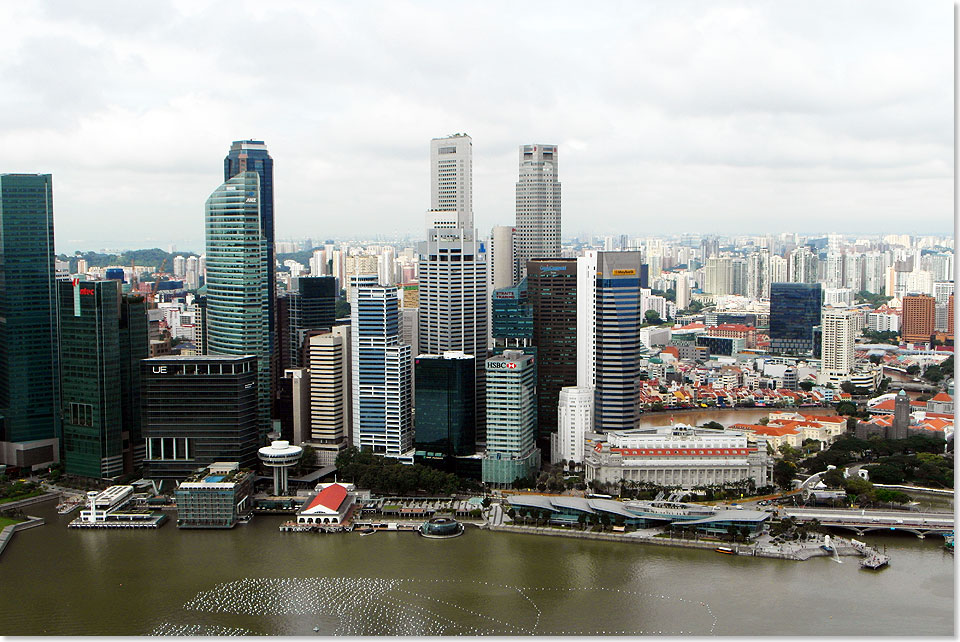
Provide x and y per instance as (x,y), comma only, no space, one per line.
(153,290)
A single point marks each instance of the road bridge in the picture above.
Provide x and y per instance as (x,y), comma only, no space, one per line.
(864,521)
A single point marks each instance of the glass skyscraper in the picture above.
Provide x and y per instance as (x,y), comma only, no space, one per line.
(237,276)
(552,291)
(608,335)
(103,336)
(445,404)
(29,369)
(252,156)
(794,312)
(381,370)
(538,205)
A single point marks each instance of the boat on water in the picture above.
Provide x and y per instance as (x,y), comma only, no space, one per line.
(874,562)
(367,531)
(726,550)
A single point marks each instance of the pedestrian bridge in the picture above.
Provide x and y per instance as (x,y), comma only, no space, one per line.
(865,521)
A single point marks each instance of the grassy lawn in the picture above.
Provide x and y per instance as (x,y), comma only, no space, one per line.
(7,521)
(17,498)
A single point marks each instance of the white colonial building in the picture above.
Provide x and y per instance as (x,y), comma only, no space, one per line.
(680,455)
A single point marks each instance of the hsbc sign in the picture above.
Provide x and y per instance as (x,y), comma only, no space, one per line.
(501,365)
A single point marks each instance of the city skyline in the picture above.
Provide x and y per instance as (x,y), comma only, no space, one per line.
(664,116)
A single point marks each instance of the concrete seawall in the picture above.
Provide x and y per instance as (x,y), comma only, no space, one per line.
(7,533)
(30,501)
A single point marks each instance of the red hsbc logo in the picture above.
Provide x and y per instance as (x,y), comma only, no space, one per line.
(500,365)
(75,282)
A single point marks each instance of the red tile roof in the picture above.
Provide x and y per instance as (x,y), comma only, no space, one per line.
(330,498)
(942,396)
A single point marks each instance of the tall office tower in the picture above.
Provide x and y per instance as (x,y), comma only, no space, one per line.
(552,292)
(252,156)
(445,404)
(381,371)
(103,336)
(179,266)
(836,349)
(503,260)
(777,273)
(453,295)
(238,295)
(794,312)
(134,348)
(803,266)
(918,318)
(198,410)
(538,205)
(608,335)
(29,345)
(709,246)
(511,419)
(682,290)
(575,414)
(410,329)
(451,176)
(310,305)
(328,358)
(512,318)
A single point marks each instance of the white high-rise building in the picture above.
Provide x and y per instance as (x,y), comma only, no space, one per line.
(538,205)
(778,272)
(682,290)
(834,273)
(574,421)
(803,266)
(838,297)
(179,266)
(503,257)
(837,345)
(452,265)
(451,176)
(329,363)
(318,263)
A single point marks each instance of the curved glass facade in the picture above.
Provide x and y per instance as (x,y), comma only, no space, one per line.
(237,277)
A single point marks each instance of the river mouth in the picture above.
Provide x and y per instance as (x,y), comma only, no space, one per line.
(255,580)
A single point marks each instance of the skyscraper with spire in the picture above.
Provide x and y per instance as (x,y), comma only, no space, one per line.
(453,264)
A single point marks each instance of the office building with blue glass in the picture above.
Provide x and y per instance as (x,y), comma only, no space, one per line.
(381,373)
(794,313)
(511,400)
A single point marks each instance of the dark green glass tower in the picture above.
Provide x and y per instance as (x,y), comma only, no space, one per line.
(445,406)
(90,376)
(29,373)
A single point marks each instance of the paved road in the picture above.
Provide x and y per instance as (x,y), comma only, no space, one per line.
(873,517)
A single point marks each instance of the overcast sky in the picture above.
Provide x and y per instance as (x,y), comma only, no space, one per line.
(672,116)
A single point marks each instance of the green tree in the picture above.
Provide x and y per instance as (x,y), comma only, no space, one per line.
(806,385)
(652,317)
(783,474)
